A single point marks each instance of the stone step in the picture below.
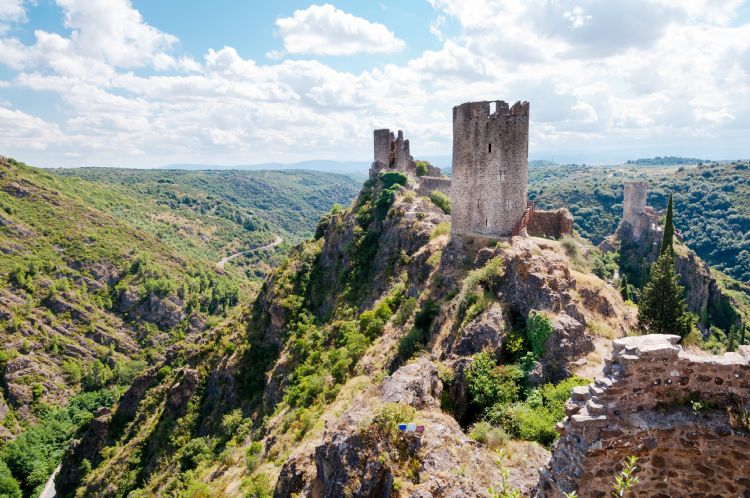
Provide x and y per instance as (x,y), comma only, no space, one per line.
(580,393)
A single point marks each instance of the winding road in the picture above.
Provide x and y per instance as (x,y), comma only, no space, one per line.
(49,488)
(276,241)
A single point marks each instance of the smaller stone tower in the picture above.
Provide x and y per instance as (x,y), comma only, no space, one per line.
(635,212)
(490,168)
(391,153)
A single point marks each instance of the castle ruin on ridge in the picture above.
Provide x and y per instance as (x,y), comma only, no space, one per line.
(490,168)
(489,184)
(635,212)
(392,153)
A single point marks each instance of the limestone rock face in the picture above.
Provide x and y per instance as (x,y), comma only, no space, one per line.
(642,407)
(415,384)
(484,332)
(567,343)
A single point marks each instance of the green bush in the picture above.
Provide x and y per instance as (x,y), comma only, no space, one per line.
(443,228)
(489,384)
(390,415)
(195,451)
(441,200)
(252,455)
(538,330)
(487,277)
(492,436)
(393,178)
(421,168)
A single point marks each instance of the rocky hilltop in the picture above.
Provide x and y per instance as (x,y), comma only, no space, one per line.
(374,323)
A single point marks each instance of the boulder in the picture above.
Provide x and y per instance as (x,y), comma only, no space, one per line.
(484,332)
(415,384)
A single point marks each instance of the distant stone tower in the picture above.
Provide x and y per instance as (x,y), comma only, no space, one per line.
(392,153)
(635,212)
(490,167)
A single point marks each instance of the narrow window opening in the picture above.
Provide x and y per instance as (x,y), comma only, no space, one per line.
(493,107)
(486,222)
(490,148)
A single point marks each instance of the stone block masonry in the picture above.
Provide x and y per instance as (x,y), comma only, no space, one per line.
(391,153)
(551,224)
(428,184)
(673,410)
(490,167)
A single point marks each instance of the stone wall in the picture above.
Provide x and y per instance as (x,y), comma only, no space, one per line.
(391,153)
(550,224)
(642,407)
(427,184)
(490,167)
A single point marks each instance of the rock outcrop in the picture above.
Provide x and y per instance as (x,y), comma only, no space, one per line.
(684,416)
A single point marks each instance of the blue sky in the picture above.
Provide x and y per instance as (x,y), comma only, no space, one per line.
(150,82)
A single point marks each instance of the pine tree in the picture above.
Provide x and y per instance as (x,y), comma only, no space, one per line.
(625,288)
(742,334)
(667,241)
(662,308)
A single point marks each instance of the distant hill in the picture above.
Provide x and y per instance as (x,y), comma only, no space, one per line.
(667,161)
(358,168)
(711,208)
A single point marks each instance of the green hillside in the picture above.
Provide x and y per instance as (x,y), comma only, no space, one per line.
(104,273)
(212,214)
(711,208)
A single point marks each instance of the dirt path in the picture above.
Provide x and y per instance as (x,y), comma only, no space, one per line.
(276,241)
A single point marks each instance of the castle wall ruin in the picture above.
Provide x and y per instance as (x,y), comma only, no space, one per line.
(428,184)
(645,406)
(550,224)
(490,167)
(391,153)
(635,212)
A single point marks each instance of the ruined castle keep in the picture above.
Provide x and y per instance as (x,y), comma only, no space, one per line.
(490,167)
(635,212)
(391,153)
(645,406)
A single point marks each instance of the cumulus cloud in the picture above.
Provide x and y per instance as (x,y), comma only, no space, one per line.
(326,30)
(600,81)
(10,11)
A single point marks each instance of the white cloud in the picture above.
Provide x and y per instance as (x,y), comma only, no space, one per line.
(10,11)
(326,30)
(599,79)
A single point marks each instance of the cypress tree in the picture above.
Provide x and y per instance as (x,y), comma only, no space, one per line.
(661,307)
(732,340)
(625,289)
(742,334)
(667,241)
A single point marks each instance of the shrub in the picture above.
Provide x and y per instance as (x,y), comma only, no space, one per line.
(485,433)
(253,455)
(486,276)
(231,422)
(195,451)
(443,228)
(538,330)
(393,178)
(390,415)
(489,384)
(441,200)
(405,311)
(421,168)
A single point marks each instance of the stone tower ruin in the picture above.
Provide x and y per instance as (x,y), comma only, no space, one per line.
(490,168)
(392,153)
(635,212)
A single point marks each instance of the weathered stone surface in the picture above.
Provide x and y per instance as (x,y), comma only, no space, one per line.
(484,332)
(490,167)
(88,447)
(642,408)
(428,184)
(550,224)
(391,154)
(567,343)
(415,384)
